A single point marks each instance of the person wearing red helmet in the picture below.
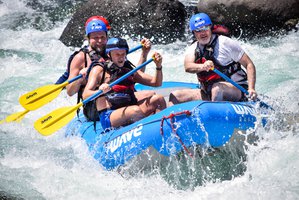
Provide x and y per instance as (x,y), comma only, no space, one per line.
(96,17)
(215,51)
(96,32)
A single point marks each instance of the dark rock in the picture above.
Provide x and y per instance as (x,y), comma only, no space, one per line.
(163,21)
(253,17)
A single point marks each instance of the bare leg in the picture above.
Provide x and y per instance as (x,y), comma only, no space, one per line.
(126,115)
(153,104)
(140,95)
(184,95)
(130,114)
(223,91)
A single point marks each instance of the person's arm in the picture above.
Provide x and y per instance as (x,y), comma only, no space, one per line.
(94,79)
(251,74)
(191,66)
(146,47)
(92,82)
(149,80)
(75,69)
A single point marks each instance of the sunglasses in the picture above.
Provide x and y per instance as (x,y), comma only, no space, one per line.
(203,28)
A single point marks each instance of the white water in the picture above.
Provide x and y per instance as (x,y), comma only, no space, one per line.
(55,167)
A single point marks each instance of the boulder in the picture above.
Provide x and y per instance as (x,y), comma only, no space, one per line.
(163,21)
(253,17)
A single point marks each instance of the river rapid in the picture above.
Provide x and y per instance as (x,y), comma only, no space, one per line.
(37,167)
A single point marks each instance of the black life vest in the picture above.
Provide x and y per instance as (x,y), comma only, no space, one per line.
(121,94)
(94,56)
(210,77)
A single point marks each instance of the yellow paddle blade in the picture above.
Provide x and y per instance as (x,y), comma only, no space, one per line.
(41,96)
(55,120)
(16,116)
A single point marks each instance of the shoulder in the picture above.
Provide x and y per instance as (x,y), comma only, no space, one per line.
(79,57)
(96,71)
(227,41)
(98,66)
(231,47)
(191,49)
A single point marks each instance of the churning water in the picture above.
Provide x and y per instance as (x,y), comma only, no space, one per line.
(55,167)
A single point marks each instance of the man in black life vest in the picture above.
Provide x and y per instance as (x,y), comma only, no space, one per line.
(213,50)
(96,32)
(121,105)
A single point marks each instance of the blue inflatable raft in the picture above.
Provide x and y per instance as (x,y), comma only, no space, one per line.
(170,131)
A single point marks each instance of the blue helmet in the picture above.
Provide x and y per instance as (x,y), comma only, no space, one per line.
(199,20)
(95,26)
(116,43)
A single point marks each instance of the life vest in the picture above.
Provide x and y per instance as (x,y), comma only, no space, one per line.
(121,94)
(221,30)
(115,72)
(210,77)
(94,56)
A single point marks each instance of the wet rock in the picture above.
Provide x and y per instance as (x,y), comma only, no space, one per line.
(163,21)
(253,17)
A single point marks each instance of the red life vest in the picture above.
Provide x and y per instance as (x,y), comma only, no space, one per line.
(117,72)
(121,94)
(207,54)
(210,77)
(201,57)
(221,30)
(206,76)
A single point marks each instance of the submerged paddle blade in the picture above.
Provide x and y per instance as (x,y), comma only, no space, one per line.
(40,96)
(55,120)
(16,116)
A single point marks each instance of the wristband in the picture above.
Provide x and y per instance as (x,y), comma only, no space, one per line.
(159,68)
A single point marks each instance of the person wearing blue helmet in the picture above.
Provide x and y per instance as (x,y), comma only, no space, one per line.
(96,33)
(212,50)
(121,105)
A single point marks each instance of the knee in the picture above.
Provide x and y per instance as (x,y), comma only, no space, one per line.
(175,97)
(161,101)
(137,111)
(216,88)
(216,92)
(151,93)
(157,97)
(176,94)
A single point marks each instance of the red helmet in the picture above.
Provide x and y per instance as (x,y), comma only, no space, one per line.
(96,17)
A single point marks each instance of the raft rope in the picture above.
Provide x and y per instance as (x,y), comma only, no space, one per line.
(171,116)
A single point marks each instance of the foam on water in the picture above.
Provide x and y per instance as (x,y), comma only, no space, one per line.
(55,167)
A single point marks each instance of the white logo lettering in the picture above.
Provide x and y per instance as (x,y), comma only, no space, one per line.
(199,23)
(124,138)
(240,109)
(96,27)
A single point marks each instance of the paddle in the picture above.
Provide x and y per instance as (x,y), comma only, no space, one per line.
(262,104)
(230,80)
(135,48)
(43,95)
(55,120)
(18,116)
